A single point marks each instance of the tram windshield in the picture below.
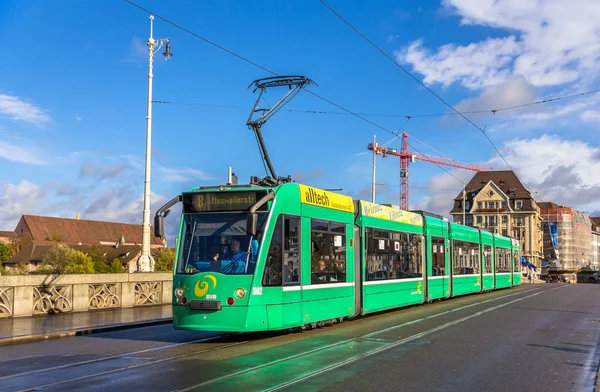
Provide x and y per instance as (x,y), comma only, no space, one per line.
(218,243)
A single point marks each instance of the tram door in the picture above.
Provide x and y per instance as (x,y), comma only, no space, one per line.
(436,282)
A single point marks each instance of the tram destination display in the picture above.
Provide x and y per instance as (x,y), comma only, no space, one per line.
(222,201)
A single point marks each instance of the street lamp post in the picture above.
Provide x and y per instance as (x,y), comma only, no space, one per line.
(145,262)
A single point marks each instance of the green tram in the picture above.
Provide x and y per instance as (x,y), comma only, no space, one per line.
(254,258)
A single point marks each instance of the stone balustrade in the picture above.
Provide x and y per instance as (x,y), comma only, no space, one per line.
(27,295)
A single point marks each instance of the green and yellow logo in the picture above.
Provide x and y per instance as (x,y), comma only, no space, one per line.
(202,286)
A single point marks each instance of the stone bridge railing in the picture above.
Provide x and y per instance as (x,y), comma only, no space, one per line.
(28,295)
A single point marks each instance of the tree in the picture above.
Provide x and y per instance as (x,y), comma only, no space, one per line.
(6,251)
(98,259)
(116,267)
(5,254)
(165,260)
(64,260)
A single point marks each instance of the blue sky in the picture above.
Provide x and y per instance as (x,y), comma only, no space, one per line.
(73,98)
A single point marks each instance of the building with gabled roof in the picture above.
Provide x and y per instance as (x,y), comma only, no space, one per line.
(499,202)
(121,241)
(80,231)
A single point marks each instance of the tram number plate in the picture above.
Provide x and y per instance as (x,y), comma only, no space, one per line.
(256,290)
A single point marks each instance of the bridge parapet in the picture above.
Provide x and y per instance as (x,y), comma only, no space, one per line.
(27,295)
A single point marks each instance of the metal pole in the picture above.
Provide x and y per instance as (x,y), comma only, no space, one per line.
(229,179)
(464,207)
(145,262)
(374,164)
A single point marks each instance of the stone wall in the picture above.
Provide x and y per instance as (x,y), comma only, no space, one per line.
(28,295)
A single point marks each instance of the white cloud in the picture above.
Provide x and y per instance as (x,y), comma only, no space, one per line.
(559,170)
(16,200)
(15,153)
(441,190)
(15,108)
(138,52)
(550,43)
(77,118)
(514,91)
(474,66)
(182,174)
(590,115)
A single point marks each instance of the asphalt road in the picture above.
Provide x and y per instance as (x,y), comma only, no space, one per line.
(535,337)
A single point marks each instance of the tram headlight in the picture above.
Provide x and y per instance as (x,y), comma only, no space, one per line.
(240,292)
(179,292)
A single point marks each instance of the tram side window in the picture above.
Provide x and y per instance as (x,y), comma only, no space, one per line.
(502,260)
(291,251)
(393,255)
(487,259)
(272,274)
(328,253)
(466,258)
(410,255)
(515,261)
(378,264)
(474,258)
(438,262)
(283,257)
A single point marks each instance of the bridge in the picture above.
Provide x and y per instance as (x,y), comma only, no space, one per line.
(531,337)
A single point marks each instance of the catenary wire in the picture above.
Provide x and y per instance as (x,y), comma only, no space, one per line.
(483,111)
(273,73)
(428,89)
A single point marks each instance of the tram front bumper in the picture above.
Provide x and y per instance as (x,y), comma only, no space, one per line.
(228,319)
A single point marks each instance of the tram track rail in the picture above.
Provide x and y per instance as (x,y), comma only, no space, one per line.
(242,372)
(117,356)
(385,347)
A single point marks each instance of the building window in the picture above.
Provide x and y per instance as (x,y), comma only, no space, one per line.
(519,204)
(393,255)
(328,253)
(492,220)
(504,232)
(469,220)
(465,258)
(504,204)
(479,219)
(286,232)
(467,205)
(504,218)
(479,205)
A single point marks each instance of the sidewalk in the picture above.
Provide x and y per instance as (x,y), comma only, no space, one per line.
(26,329)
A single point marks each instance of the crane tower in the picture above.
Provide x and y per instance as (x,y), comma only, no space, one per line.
(406,156)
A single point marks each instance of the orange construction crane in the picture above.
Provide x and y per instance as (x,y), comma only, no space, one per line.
(406,156)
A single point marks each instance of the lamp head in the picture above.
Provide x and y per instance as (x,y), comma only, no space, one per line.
(167,54)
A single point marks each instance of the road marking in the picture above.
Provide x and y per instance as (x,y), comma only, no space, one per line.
(68,365)
(263,365)
(130,367)
(281,360)
(443,313)
(406,340)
